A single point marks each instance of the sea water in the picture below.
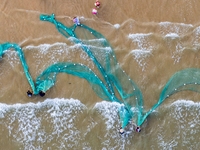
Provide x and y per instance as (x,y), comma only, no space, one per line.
(152,40)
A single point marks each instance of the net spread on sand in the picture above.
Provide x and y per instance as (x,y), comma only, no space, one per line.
(113,84)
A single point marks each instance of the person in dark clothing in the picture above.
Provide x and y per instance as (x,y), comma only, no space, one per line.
(29,93)
(138,129)
(42,93)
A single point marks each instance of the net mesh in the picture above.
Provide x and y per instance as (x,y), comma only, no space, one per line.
(113,77)
(112,83)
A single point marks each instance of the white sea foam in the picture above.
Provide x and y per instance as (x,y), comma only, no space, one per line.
(53,53)
(109,111)
(25,122)
(136,36)
(117,26)
(178,28)
(39,125)
(12,58)
(140,57)
(178,49)
(97,44)
(182,123)
(142,41)
(50,50)
(196,39)
(172,35)
(42,47)
(186,103)
(144,47)
(172,23)
(174,31)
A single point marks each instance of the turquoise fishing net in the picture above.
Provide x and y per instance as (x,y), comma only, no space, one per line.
(187,79)
(113,77)
(111,83)
(6,46)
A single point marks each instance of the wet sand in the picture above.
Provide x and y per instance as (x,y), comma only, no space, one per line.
(152,40)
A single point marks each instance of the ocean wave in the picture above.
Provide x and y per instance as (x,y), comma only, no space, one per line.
(34,124)
(57,123)
(185,103)
(172,35)
(117,26)
(180,126)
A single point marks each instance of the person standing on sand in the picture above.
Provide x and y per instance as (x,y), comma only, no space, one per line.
(94,11)
(29,93)
(76,21)
(97,4)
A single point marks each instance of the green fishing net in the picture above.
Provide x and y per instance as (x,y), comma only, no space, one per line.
(114,79)
(112,83)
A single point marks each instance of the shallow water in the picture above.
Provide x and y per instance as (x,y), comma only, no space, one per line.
(152,40)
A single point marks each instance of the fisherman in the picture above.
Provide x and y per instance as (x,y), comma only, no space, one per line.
(94,11)
(76,21)
(42,93)
(29,93)
(97,4)
(138,129)
(121,131)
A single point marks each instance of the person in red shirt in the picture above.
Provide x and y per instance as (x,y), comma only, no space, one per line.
(97,4)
